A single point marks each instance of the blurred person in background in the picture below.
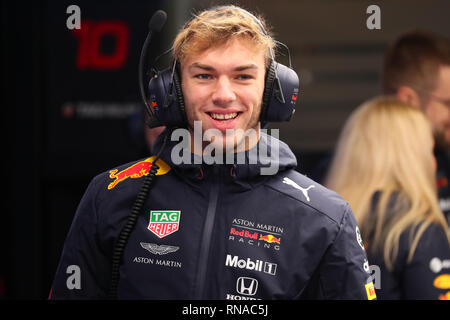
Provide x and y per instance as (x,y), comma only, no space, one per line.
(417,71)
(385,168)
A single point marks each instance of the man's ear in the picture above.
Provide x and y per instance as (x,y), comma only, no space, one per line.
(408,95)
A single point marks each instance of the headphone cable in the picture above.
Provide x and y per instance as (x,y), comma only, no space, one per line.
(124,235)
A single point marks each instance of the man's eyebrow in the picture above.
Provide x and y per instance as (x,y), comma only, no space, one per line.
(246,67)
(201,66)
(210,68)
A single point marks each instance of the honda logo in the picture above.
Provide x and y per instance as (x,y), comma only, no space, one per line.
(247,286)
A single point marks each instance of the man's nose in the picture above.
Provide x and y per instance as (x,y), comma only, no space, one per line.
(223,91)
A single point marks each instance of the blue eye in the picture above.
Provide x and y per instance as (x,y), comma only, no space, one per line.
(244,77)
(203,76)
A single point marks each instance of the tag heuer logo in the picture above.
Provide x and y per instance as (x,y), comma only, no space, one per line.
(163,223)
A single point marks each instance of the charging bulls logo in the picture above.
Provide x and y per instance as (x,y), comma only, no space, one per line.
(137,170)
(269,238)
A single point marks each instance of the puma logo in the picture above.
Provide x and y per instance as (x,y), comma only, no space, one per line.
(296,186)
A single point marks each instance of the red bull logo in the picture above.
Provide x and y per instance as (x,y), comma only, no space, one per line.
(270,238)
(244,233)
(137,170)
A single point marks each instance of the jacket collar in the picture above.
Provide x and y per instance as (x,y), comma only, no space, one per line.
(247,169)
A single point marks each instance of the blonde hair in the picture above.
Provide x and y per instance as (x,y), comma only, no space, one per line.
(386,146)
(216,26)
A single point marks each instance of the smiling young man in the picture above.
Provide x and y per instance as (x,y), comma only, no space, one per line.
(223,86)
(215,230)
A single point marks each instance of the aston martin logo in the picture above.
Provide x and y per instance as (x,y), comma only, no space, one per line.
(159,249)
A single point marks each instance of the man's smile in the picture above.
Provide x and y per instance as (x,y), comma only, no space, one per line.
(223,116)
(224,120)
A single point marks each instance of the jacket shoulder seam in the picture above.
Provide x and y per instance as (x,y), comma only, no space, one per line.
(305,204)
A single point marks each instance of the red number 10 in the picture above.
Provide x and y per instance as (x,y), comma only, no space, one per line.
(90,35)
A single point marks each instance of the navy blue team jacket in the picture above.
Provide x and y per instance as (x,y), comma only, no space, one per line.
(215,232)
(443,177)
(426,276)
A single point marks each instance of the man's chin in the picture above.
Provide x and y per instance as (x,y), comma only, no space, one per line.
(224,145)
(235,143)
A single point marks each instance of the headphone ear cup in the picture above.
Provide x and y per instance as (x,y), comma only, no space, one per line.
(268,89)
(179,94)
(168,106)
(282,90)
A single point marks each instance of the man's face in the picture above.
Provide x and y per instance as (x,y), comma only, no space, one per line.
(223,87)
(437,108)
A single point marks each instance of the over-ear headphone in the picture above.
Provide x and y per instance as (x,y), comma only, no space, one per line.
(278,101)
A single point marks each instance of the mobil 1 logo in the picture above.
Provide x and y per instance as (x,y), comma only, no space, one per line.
(249,264)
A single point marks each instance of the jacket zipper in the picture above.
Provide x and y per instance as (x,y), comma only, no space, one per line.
(207,234)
